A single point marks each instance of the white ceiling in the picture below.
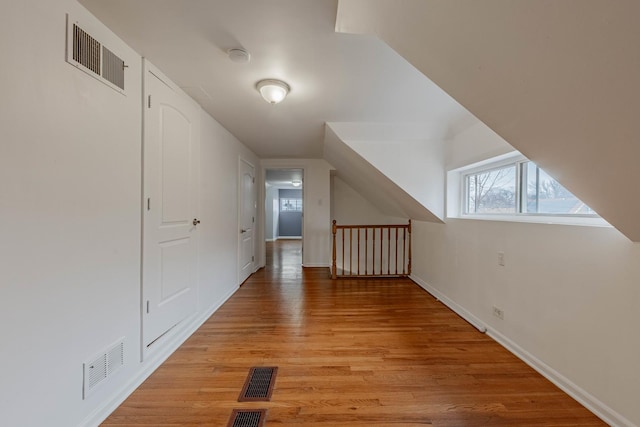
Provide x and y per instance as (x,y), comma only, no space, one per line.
(333,77)
(283,178)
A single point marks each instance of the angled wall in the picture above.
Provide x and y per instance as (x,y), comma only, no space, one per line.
(569,293)
(557,80)
(348,207)
(359,164)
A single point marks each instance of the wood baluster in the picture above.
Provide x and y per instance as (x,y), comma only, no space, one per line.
(334,268)
(342,229)
(362,269)
(409,267)
(388,250)
(404,251)
(358,259)
(373,251)
(381,246)
(351,251)
(366,249)
(396,251)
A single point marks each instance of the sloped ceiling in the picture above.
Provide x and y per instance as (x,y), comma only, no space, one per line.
(558,80)
(409,154)
(333,76)
(371,183)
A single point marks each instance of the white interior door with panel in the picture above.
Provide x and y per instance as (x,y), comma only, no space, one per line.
(247,208)
(170,206)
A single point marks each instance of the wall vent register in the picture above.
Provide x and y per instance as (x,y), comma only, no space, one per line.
(102,366)
(88,54)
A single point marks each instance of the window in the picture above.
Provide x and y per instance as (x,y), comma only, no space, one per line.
(290,205)
(519,187)
(544,195)
(492,191)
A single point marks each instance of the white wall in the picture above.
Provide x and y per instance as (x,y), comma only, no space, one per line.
(316,232)
(348,207)
(70,203)
(374,184)
(218,242)
(416,166)
(570,294)
(271,214)
(70,207)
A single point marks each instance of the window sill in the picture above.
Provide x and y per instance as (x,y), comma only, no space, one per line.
(539,219)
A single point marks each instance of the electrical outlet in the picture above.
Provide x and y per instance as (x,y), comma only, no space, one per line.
(498,313)
(501,258)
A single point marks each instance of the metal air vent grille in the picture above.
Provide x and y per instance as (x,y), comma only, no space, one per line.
(87,53)
(112,68)
(86,50)
(102,366)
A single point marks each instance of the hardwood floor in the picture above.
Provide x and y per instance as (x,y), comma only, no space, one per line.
(349,353)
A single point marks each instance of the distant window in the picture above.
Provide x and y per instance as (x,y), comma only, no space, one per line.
(290,205)
(544,195)
(519,187)
(492,191)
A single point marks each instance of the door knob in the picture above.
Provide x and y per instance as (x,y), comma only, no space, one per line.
(243,231)
(196,221)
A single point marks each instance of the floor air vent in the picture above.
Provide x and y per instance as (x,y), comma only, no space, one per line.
(86,53)
(247,418)
(102,366)
(259,384)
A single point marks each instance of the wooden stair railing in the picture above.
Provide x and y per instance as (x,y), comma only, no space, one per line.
(381,250)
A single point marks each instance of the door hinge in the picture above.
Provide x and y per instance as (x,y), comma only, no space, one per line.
(253,180)
(252,258)
(253,219)
(148,304)
(149,101)
(148,203)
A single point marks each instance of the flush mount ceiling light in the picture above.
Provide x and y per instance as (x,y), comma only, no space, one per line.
(296,183)
(273,91)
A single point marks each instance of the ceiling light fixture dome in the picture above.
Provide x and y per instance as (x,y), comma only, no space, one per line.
(273,91)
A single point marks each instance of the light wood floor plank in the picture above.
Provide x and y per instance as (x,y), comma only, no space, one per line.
(349,353)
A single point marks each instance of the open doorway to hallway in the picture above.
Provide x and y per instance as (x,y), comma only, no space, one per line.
(284,216)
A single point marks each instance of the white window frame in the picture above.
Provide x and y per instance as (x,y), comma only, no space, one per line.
(457,196)
(490,168)
(297,204)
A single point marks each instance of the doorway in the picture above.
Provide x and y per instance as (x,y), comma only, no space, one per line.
(247,219)
(170,212)
(284,210)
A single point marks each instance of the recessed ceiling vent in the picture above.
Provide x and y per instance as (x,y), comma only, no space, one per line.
(102,366)
(86,53)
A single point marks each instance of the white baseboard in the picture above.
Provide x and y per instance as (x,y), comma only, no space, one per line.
(151,364)
(585,398)
(313,264)
(458,309)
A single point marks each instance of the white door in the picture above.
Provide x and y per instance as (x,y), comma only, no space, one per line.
(170,205)
(247,221)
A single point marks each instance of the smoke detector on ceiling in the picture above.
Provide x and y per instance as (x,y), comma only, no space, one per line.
(239,55)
